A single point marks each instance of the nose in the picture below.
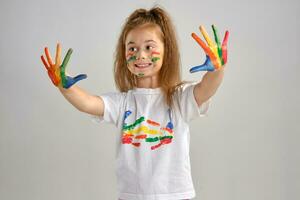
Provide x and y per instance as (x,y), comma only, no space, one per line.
(141,55)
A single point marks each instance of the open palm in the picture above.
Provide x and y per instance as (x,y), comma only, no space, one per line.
(216,54)
(57,71)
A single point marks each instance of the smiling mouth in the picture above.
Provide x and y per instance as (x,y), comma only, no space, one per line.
(143,65)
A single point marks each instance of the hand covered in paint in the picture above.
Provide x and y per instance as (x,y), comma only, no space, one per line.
(56,71)
(216,54)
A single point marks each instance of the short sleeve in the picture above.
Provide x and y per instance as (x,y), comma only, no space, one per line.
(113,103)
(188,106)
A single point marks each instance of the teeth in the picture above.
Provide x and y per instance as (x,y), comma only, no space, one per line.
(143,65)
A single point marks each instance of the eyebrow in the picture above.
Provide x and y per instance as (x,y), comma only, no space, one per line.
(144,42)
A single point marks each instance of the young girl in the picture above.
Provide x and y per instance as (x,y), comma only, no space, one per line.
(152,108)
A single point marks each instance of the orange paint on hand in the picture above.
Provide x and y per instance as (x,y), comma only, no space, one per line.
(214,59)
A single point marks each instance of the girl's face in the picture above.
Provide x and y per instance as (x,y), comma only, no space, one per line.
(144,50)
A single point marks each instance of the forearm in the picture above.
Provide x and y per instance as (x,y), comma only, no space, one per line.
(81,100)
(208,85)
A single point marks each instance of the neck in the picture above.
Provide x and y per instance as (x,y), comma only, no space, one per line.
(148,82)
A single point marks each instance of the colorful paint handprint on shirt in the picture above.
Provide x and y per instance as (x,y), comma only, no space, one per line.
(147,130)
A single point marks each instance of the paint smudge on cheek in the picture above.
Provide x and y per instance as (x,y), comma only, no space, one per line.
(131,58)
(154,59)
(155,53)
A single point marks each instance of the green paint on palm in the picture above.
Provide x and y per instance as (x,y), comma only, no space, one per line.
(63,67)
(154,59)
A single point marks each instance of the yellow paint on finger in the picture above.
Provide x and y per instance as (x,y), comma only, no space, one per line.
(211,44)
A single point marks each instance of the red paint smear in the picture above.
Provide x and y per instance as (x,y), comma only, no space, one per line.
(155,146)
(136,144)
(164,141)
(126,140)
(155,52)
(141,136)
(168,129)
(129,54)
(153,122)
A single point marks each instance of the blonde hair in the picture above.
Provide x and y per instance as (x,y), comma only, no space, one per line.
(170,74)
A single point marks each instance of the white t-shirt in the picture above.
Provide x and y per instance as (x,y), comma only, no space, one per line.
(152,151)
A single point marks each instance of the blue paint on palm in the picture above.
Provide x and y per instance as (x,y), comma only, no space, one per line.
(206,66)
(71,81)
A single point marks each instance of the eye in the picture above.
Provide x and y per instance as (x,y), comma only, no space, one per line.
(132,49)
(149,47)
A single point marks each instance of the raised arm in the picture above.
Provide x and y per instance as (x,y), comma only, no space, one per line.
(208,86)
(83,101)
(79,98)
(216,58)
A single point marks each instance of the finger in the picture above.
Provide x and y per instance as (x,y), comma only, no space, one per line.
(216,35)
(80,77)
(217,41)
(209,41)
(207,50)
(71,81)
(63,67)
(66,60)
(58,53)
(225,40)
(45,63)
(224,48)
(53,78)
(201,68)
(206,36)
(206,66)
(48,56)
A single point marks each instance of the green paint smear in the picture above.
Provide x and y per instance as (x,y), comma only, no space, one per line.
(218,43)
(141,74)
(132,58)
(154,59)
(155,139)
(152,139)
(63,67)
(132,126)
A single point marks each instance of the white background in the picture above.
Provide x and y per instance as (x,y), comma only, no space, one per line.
(247,148)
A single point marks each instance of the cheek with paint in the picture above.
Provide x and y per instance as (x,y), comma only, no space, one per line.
(154,58)
(130,57)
